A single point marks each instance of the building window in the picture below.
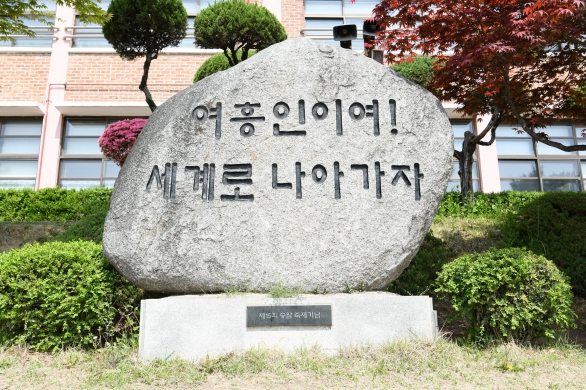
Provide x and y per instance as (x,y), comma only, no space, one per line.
(87,173)
(584,174)
(44,34)
(460,127)
(528,166)
(193,7)
(511,142)
(82,162)
(189,40)
(90,35)
(560,175)
(519,175)
(20,140)
(581,140)
(322,15)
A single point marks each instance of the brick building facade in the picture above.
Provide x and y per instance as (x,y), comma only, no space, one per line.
(59,91)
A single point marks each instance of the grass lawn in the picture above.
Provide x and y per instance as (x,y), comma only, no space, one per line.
(416,365)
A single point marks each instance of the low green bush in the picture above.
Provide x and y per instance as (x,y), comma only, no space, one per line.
(60,294)
(419,276)
(50,204)
(508,294)
(216,63)
(554,225)
(418,69)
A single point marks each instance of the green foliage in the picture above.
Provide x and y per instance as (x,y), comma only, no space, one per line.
(486,205)
(63,294)
(14,13)
(50,204)
(419,70)
(419,276)
(138,27)
(234,25)
(216,63)
(348,289)
(576,98)
(88,11)
(90,226)
(553,224)
(508,294)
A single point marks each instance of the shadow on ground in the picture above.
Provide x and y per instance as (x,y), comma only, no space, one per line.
(455,330)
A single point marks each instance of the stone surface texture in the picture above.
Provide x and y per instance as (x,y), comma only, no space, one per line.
(169,238)
(192,327)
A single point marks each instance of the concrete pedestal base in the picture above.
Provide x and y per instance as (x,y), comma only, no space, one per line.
(195,326)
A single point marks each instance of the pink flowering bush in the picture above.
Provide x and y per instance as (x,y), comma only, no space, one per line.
(119,137)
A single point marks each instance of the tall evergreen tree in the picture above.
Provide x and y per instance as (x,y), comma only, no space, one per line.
(143,28)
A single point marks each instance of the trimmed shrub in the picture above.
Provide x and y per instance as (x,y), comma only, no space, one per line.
(50,204)
(508,294)
(419,276)
(216,63)
(119,137)
(143,28)
(63,294)
(234,25)
(417,69)
(554,225)
(140,27)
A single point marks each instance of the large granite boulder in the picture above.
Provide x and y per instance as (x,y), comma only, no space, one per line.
(306,165)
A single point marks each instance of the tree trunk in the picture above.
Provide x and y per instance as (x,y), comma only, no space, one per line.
(465,161)
(143,82)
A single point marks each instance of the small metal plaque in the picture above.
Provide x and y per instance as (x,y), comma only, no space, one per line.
(298,315)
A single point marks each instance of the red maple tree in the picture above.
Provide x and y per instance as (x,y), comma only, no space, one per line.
(522,62)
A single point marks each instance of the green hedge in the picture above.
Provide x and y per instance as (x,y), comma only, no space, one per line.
(554,225)
(59,294)
(490,205)
(50,204)
(56,204)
